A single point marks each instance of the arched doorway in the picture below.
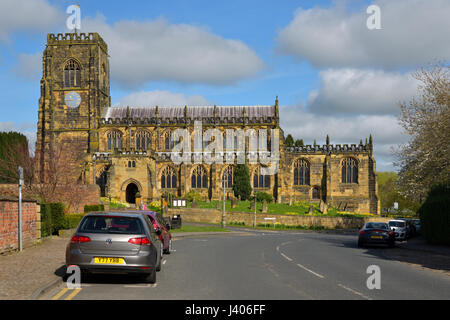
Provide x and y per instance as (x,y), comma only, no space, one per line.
(130,193)
(316,193)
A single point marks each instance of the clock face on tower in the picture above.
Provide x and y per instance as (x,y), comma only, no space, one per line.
(72,99)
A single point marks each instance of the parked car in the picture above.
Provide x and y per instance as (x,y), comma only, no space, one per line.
(410,227)
(162,229)
(400,229)
(376,233)
(417,224)
(116,243)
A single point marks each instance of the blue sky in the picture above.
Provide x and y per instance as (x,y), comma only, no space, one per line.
(332,75)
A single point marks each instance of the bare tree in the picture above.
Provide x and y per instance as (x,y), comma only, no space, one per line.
(60,179)
(425,160)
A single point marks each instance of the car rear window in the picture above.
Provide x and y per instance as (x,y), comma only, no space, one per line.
(102,224)
(380,225)
(397,224)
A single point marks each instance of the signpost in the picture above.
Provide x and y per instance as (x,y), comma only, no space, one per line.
(20,171)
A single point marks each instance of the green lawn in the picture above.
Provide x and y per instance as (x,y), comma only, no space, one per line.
(298,208)
(199,229)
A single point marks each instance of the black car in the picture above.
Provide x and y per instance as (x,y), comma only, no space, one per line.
(376,233)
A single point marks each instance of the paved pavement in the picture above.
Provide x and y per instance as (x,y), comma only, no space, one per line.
(245,266)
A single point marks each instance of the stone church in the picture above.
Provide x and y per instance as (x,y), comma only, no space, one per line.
(126,149)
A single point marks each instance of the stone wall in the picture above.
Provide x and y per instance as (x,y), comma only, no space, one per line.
(215,216)
(9,223)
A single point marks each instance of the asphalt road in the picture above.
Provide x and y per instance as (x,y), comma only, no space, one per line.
(278,265)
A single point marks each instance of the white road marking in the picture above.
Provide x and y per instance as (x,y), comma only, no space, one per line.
(314,273)
(141,285)
(164,261)
(285,256)
(278,248)
(354,292)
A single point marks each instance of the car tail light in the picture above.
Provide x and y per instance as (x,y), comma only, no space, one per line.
(362,232)
(139,241)
(80,239)
(391,233)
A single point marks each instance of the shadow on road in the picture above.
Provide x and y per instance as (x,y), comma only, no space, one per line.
(403,252)
(102,278)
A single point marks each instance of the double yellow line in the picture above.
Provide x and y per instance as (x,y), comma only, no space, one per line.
(63,292)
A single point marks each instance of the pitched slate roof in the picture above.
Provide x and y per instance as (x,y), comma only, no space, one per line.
(197,112)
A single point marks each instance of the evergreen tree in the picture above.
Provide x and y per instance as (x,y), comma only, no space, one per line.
(299,143)
(13,153)
(289,141)
(242,188)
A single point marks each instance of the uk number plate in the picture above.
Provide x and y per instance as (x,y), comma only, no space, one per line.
(107,260)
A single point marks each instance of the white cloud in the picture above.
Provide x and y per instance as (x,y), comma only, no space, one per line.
(413,33)
(25,15)
(161,98)
(361,91)
(156,50)
(349,129)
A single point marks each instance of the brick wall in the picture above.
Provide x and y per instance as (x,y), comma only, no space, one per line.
(9,224)
(215,216)
(88,194)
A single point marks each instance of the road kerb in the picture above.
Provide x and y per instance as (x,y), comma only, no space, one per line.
(47,287)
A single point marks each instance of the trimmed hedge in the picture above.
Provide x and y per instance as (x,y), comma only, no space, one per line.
(72,220)
(52,218)
(94,207)
(435,215)
(261,196)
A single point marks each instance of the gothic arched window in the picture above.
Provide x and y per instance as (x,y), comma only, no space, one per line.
(301,173)
(168,178)
(143,140)
(227,177)
(199,178)
(168,143)
(114,140)
(259,180)
(72,74)
(349,170)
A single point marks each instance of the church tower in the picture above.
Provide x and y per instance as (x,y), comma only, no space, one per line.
(74,92)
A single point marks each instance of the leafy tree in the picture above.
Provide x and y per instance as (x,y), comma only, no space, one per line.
(435,215)
(289,141)
(299,143)
(389,192)
(242,188)
(425,160)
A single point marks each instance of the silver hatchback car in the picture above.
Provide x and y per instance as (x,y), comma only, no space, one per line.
(116,243)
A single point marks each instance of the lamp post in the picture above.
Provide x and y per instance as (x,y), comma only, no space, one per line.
(20,171)
(223,207)
(254,221)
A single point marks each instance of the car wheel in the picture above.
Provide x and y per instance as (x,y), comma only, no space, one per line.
(169,249)
(158,267)
(151,277)
(391,244)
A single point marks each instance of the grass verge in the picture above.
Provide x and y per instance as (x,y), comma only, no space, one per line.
(188,228)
